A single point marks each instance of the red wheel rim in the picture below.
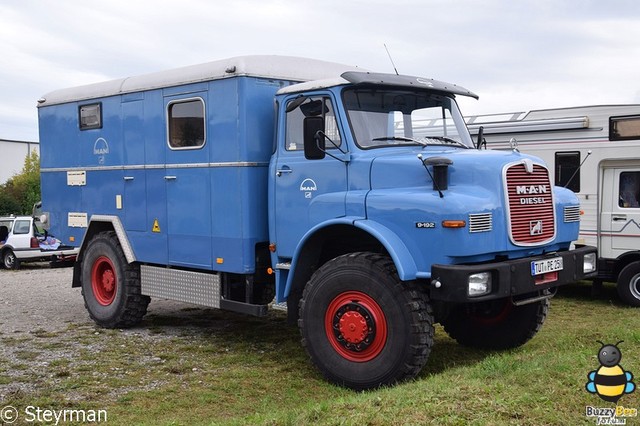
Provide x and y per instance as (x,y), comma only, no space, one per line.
(356,326)
(496,315)
(104,281)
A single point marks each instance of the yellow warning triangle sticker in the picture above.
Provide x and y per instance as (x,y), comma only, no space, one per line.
(156,226)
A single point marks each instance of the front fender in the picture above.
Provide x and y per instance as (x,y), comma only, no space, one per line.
(405,265)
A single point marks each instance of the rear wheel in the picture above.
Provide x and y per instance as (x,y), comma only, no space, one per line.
(496,324)
(9,260)
(111,286)
(629,284)
(361,326)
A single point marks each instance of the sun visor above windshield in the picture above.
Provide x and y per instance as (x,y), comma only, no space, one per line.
(357,77)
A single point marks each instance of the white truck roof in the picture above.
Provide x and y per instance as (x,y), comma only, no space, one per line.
(268,66)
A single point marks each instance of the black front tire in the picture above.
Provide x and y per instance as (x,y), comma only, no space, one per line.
(361,326)
(497,324)
(110,285)
(9,260)
(629,284)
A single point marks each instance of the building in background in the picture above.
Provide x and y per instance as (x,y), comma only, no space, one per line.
(12,155)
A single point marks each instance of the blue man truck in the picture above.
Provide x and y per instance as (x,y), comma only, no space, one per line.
(359,198)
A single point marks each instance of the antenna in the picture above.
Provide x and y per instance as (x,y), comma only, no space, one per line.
(391,59)
(576,172)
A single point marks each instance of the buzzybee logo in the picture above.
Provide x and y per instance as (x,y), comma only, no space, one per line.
(610,381)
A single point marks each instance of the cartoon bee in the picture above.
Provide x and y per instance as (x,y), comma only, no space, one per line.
(610,381)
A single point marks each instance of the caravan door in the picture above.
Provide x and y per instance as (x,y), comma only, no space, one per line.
(620,210)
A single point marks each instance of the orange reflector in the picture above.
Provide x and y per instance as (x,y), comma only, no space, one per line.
(269,271)
(72,239)
(581,212)
(219,260)
(454,223)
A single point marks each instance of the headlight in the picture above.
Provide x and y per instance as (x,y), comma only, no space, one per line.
(479,284)
(589,263)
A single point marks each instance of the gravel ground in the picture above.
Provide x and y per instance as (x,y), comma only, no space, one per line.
(43,321)
(38,297)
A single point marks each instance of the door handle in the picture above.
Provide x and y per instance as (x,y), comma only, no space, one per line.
(127,178)
(170,177)
(618,218)
(283,170)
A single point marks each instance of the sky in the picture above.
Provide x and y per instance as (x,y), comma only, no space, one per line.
(517,55)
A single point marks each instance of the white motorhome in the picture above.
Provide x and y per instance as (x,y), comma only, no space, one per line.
(594,151)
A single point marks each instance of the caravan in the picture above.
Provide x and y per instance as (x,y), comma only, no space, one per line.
(595,152)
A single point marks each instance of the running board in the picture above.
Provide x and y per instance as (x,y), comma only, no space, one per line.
(199,288)
(244,308)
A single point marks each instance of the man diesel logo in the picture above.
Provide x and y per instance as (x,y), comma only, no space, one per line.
(532,190)
(535,227)
(308,186)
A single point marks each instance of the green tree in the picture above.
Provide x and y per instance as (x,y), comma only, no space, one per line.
(22,191)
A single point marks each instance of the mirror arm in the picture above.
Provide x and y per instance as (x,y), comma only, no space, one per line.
(321,134)
(481,140)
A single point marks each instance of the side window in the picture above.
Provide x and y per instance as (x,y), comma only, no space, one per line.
(186,124)
(319,106)
(21,227)
(90,116)
(623,128)
(567,175)
(629,187)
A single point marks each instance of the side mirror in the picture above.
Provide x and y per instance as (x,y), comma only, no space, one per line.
(314,142)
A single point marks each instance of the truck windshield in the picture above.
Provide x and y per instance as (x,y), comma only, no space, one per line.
(391,117)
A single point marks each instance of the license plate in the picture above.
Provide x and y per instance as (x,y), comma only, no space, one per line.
(540,267)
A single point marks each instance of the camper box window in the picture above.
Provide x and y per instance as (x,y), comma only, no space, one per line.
(567,170)
(629,196)
(623,128)
(90,116)
(186,124)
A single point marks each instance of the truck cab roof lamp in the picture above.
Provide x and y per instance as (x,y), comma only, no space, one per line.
(357,77)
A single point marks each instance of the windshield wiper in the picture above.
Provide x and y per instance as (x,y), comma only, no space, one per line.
(447,140)
(399,138)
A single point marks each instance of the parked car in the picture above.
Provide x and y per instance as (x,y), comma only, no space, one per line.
(22,239)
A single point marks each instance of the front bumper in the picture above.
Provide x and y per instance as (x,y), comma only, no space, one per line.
(510,278)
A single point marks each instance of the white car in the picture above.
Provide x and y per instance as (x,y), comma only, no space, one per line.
(22,239)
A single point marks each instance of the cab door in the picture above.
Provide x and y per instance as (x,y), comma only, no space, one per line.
(307,192)
(620,213)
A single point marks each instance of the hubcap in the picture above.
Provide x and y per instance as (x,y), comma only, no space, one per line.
(356,326)
(634,286)
(103,281)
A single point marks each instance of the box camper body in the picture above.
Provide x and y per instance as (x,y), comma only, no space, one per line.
(594,151)
(228,183)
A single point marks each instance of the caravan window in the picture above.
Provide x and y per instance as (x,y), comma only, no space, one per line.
(186,124)
(567,164)
(629,196)
(90,116)
(623,128)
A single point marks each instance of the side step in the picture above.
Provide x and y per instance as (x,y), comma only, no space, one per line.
(199,288)
(244,308)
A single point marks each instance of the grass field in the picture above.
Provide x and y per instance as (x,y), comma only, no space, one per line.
(212,367)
